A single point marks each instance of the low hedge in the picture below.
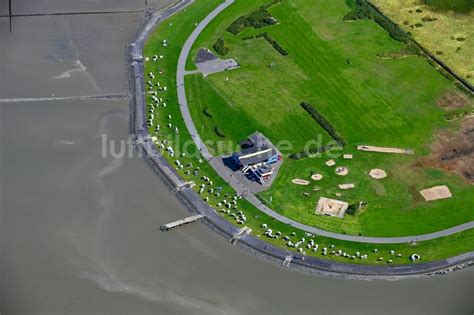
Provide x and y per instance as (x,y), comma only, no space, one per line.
(324,123)
(408,50)
(274,43)
(256,19)
(206,112)
(363,10)
(219,132)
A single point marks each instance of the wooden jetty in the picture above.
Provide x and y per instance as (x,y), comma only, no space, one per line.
(187,220)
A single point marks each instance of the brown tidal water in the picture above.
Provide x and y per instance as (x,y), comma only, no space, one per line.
(79,232)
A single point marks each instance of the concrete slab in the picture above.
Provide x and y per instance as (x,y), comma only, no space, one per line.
(218,65)
(347,186)
(436,193)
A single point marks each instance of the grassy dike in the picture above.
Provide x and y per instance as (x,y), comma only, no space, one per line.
(175,30)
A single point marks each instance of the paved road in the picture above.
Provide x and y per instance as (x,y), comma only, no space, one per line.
(181,72)
(226,174)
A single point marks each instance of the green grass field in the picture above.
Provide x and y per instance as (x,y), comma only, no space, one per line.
(393,100)
(332,64)
(176,29)
(394,207)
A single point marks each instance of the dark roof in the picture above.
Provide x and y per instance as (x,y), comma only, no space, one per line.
(255,143)
(259,140)
(204,55)
(251,150)
(258,158)
(246,144)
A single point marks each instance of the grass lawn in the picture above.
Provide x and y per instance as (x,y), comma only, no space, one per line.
(451,34)
(234,122)
(394,206)
(176,29)
(392,99)
(332,64)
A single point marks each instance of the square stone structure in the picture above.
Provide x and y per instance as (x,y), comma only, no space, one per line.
(332,207)
(436,193)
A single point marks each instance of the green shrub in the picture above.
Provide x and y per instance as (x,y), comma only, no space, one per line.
(428,19)
(274,43)
(206,112)
(464,88)
(408,50)
(362,9)
(323,122)
(256,19)
(221,46)
(219,132)
(445,73)
(238,25)
(352,209)
(248,37)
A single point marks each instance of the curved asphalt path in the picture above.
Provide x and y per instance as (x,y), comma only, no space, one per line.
(217,164)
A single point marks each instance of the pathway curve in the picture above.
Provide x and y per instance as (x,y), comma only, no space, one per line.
(223,171)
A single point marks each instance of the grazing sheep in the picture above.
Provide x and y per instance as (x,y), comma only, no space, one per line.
(415,257)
